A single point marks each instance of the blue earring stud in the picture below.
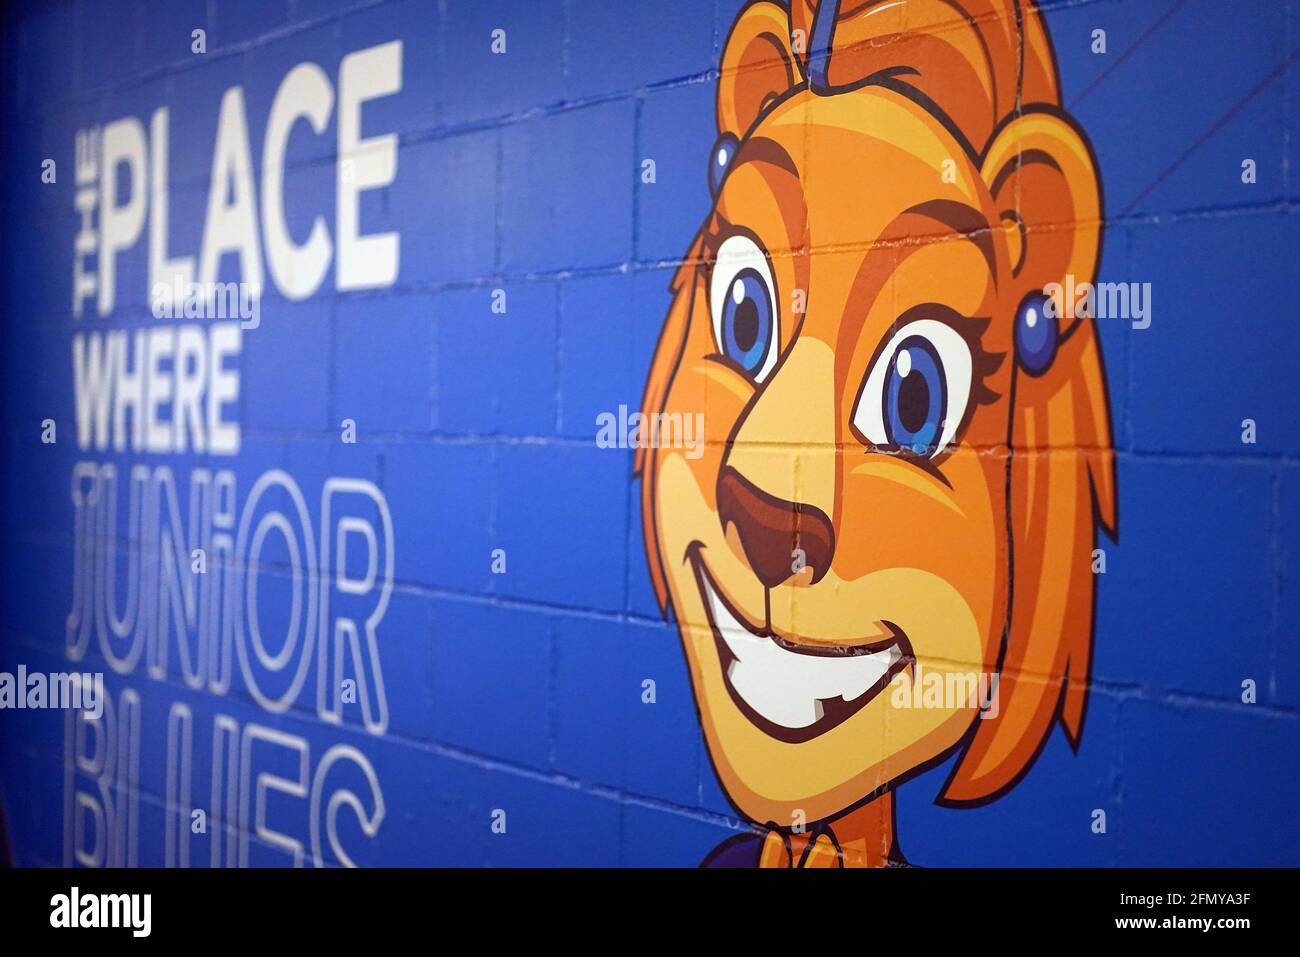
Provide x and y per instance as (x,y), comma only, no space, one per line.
(724,151)
(1036,333)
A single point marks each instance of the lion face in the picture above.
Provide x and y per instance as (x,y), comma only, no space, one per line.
(847,521)
(897,429)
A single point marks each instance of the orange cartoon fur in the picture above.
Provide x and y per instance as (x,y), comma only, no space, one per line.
(891,486)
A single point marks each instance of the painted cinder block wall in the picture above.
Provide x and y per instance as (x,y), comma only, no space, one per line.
(522,691)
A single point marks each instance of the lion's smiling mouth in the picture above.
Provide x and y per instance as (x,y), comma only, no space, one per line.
(794,691)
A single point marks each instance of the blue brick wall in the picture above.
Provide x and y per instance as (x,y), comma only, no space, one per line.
(522,691)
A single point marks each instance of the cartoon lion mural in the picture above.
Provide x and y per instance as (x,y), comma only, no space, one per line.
(908,444)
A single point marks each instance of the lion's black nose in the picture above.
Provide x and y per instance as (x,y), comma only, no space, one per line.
(772,529)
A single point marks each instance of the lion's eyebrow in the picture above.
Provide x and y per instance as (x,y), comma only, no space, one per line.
(966,221)
(778,170)
(761,149)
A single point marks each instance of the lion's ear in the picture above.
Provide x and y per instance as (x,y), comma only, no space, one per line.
(758,65)
(1041,174)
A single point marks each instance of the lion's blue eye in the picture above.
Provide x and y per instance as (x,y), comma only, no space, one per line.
(916,393)
(747,322)
(915,397)
(742,299)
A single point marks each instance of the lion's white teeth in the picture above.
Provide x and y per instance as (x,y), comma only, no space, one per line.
(786,687)
(755,685)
